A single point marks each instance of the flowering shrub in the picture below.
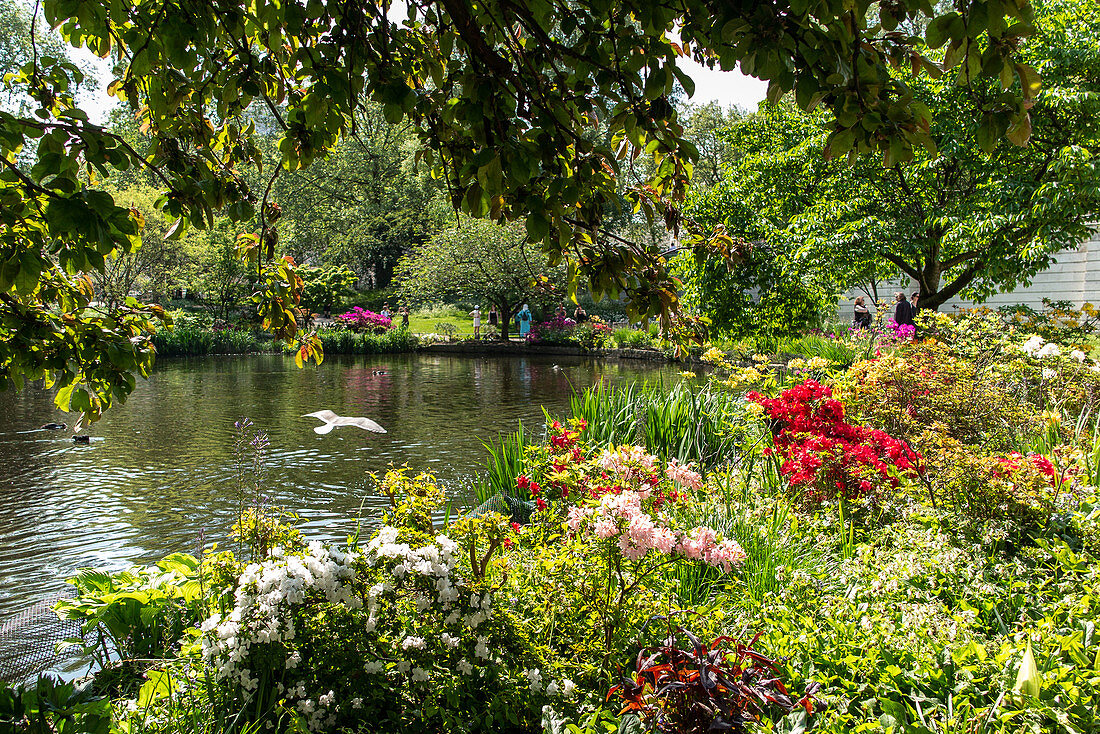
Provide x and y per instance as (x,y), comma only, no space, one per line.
(612,502)
(358,319)
(592,334)
(398,631)
(1064,380)
(556,330)
(1058,321)
(996,496)
(827,456)
(905,391)
(902,332)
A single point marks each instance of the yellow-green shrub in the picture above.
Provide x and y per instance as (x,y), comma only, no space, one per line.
(906,391)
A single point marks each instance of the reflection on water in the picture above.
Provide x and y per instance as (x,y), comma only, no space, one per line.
(160,469)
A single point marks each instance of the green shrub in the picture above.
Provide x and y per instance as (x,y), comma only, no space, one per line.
(341,341)
(905,391)
(632,339)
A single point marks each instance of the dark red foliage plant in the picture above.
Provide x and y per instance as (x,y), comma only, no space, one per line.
(701,687)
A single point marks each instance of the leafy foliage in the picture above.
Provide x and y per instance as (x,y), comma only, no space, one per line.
(481,261)
(967,217)
(525,110)
(703,687)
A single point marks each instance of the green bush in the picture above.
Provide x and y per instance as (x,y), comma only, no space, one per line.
(341,341)
(194,341)
(632,339)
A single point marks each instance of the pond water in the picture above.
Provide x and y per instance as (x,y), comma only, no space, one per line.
(161,468)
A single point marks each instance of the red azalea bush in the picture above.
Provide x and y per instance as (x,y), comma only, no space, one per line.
(827,456)
(359,319)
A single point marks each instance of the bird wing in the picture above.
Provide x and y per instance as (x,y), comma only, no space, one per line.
(365,423)
(326,428)
(326,415)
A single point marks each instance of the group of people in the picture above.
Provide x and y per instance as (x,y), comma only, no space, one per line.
(402,311)
(522,318)
(905,311)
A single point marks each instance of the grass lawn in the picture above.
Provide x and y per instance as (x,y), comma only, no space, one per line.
(425,323)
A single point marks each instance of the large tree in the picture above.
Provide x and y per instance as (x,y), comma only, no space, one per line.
(502,93)
(481,261)
(963,221)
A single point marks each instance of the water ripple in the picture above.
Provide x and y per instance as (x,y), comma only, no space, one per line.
(160,469)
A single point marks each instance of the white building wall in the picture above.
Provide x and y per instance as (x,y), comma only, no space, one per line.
(1074,276)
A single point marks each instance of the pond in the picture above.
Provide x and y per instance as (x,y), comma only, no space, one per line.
(160,469)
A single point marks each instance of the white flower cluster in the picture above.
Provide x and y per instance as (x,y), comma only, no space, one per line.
(564,688)
(264,592)
(267,593)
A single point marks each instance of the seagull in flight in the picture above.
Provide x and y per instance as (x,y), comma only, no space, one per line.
(332,421)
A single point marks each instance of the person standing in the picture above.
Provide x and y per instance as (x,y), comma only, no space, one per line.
(903,312)
(913,308)
(560,313)
(476,314)
(861,318)
(404,311)
(580,315)
(524,317)
(494,317)
(386,311)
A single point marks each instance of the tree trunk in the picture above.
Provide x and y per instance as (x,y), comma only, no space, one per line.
(505,319)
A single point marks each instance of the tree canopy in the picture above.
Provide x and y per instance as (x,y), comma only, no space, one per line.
(959,222)
(483,261)
(505,97)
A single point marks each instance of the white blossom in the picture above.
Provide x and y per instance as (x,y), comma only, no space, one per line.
(1032,345)
(412,642)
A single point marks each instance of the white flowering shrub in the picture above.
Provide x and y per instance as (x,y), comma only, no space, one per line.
(377,638)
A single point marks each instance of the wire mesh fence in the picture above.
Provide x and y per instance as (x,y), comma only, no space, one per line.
(29,640)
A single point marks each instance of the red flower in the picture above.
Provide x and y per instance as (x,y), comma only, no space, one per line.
(540,503)
(822,451)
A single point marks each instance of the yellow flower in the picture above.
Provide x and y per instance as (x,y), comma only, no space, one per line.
(1051,417)
(687,375)
(714,355)
(759,358)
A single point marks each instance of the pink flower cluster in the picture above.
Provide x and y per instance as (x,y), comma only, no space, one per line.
(358,318)
(684,475)
(622,515)
(632,462)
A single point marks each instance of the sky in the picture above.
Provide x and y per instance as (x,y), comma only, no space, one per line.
(724,87)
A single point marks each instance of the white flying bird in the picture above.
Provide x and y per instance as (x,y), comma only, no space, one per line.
(332,421)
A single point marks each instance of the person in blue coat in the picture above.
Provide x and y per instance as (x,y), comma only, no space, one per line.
(524,317)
